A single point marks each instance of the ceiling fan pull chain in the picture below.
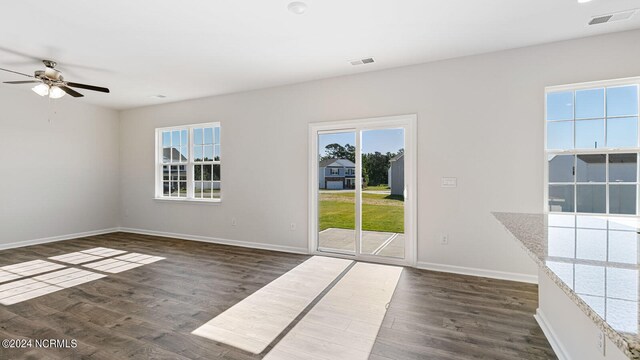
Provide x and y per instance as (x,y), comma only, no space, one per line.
(49,110)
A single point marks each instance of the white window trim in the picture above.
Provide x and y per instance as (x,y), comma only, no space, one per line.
(575,152)
(158,192)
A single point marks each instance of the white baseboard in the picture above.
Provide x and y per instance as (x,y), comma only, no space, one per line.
(289,249)
(51,239)
(246,244)
(557,347)
(532,279)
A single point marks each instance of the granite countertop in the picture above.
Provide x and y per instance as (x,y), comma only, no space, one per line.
(594,260)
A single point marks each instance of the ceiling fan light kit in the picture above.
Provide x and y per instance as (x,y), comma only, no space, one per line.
(56,92)
(42,89)
(50,82)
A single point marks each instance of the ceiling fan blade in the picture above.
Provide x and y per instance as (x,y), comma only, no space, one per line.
(71,91)
(88,87)
(34,59)
(22,82)
(15,72)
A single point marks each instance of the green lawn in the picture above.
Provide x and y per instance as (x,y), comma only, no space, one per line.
(377,187)
(379,212)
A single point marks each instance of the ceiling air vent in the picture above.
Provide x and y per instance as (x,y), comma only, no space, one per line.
(619,16)
(362,61)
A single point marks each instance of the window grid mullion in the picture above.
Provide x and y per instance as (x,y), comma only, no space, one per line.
(607,184)
(575,176)
(190,183)
(606,126)
(604,151)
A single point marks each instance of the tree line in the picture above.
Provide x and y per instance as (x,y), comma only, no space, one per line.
(375,166)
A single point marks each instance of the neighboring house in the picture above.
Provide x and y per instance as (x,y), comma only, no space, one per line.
(396,175)
(563,169)
(337,174)
(169,153)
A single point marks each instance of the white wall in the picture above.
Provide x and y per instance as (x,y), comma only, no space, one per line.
(480,119)
(56,178)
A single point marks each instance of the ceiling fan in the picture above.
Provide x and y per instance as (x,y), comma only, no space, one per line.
(51,83)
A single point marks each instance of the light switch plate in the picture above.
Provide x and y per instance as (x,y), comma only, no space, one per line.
(449,182)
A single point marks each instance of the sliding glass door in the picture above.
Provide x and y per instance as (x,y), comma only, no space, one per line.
(336,192)
(360,203)
(382,195)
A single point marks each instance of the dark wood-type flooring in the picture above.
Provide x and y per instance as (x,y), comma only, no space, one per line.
(149,312)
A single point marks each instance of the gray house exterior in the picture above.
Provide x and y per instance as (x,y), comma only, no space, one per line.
(396,175)
(337,174)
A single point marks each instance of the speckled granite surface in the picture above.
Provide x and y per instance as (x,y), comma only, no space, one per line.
(594,260)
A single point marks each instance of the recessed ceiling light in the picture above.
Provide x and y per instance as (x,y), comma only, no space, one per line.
(583,1)
(297,7)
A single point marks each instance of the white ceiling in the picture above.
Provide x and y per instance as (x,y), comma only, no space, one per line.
(189,49)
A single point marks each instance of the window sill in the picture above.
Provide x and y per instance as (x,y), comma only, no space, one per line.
(190,201)
(592,215)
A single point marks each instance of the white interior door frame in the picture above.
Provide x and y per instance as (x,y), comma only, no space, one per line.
(409,123)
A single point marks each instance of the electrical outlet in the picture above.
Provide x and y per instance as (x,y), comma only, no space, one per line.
(292,226)
(444,239)
(600,340)
(234,221)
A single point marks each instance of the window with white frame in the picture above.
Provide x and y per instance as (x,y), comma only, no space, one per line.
(592,146)
(188,165)
(334,171)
